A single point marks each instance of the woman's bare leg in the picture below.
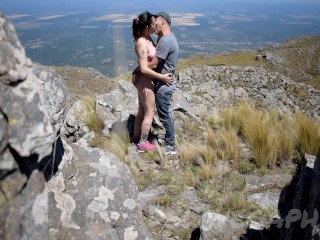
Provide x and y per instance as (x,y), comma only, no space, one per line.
(146,95)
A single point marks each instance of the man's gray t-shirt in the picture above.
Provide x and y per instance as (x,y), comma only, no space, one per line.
(168,50)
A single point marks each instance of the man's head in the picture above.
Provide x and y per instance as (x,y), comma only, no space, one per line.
(162,22)
(163,15)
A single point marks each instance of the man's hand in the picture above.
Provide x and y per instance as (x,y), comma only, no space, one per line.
(167,78)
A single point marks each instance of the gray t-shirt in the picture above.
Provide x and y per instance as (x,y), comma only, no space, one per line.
(168,50)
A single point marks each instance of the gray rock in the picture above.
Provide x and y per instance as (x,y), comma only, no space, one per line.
(266,199)
(147,196)
(98,202)
(217,226)
(254,182)
(26,137)
(56,94)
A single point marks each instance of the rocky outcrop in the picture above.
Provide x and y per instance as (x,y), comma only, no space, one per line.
(117,106)
(93,196)
(27,132)
(90,193)
(298,57)
(212,87)
(56,94)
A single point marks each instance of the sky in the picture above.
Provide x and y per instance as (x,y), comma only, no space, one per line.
(34,6)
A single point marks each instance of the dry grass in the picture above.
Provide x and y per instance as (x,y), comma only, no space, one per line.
(267,133)
(228,144)
(206,172)
(190,178)
(245,166)
(198,154)
(232,182)
(82,81)
(314,82)
(229,120)
(235,201)
(211,138)
(188,153)
(285,143)
(211,119)
(190,125)
(307,133)
(91,117)
(261,136)
(118,145)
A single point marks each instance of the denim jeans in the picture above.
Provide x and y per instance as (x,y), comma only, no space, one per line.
(164,94)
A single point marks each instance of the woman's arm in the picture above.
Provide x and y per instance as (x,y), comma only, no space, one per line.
(142,53)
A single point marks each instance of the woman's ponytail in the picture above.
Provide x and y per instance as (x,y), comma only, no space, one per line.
(140,23)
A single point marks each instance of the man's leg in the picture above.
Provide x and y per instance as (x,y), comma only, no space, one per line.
(163,102)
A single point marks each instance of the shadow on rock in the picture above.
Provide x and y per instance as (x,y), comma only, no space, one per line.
(49,164)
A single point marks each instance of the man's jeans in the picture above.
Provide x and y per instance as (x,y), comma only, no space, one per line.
(164,94)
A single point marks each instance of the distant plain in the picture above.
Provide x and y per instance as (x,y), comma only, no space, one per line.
(101,38)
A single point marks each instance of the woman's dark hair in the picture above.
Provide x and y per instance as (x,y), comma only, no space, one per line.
(140,23)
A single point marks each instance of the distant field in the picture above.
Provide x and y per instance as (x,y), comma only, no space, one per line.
(102,39)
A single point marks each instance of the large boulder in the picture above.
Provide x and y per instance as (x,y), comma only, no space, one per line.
(27,133)
(93,196)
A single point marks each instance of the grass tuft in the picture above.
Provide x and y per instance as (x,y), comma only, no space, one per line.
(228,144)
(91,117)
(307,133)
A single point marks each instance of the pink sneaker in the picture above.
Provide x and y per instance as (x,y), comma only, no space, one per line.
(146,147)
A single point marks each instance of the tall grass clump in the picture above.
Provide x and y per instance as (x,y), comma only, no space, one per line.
(245,110)
(228,144)
(91,117)
(191,153)
(228,119)
(285,142)
(268,133)
(260,133)
(307,133)
(211,138)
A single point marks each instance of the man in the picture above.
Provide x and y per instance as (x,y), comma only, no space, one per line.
(165,61)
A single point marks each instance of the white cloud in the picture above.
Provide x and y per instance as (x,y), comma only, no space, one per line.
(50,17)
(108,17)
(17,16)
(236,18)
(311,17)
(89,27)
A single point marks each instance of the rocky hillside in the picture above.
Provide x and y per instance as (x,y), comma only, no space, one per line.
(296,58)
(68,171)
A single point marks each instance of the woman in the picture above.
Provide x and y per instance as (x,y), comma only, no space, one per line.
(142,27)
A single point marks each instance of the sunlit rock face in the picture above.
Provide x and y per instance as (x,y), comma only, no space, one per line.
(27,133)
(93,196)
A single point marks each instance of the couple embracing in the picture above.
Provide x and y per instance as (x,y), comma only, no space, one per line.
(154,78)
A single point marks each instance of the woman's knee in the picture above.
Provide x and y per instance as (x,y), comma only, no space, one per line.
(149,116)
